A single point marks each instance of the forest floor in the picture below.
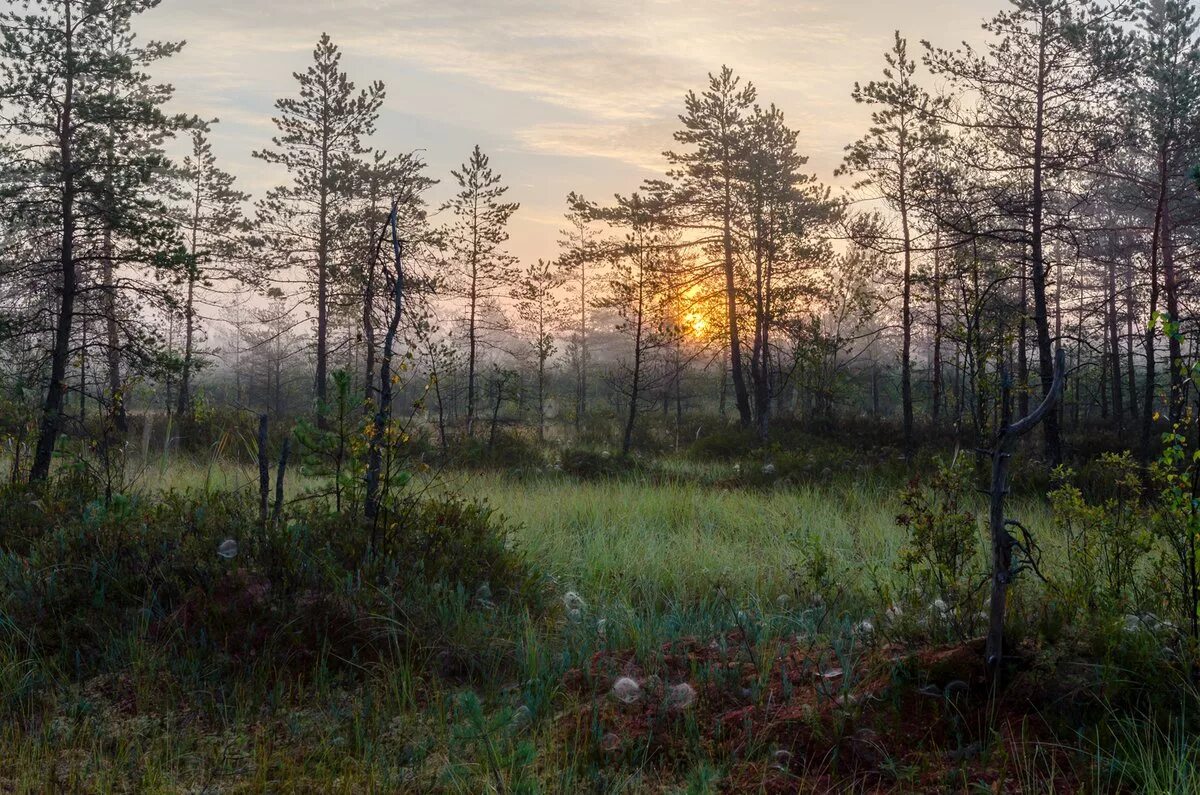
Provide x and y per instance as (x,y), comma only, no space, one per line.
(712,639)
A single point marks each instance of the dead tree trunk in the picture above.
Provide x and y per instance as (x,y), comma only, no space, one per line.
(1004,542)
(383,409)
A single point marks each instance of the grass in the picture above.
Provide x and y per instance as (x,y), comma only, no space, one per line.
(638,543)
(656,562)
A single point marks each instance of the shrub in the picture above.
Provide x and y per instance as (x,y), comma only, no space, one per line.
(599,427)
(1176,520)
(590,464)
(510,449)
(723,444)
(941,560)
(79,583)
(1106,538)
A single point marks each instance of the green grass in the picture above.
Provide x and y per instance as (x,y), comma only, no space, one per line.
(656,559)
(637,543)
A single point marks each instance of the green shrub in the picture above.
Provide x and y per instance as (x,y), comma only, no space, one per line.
(79,583)
(598,428)
(1106,535)
(940,560)
(510,449)
(726,443)
(590,464)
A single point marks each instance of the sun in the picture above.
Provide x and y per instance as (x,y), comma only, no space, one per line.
(696,323)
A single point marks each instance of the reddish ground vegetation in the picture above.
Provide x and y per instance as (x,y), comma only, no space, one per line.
(911,720)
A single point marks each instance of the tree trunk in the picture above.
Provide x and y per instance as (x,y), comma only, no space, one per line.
(937,330)
(264,472)
(52,408)
(383,410)
(1171,293)
(322,370)
(1114,347)
(1002,541)
(471,354)
(1040,306)
(112,339)
(1130,373)
(1023,344)
(1148,389)
(741,396)
(627,441)
(183,409)
(581,397)
(906,313)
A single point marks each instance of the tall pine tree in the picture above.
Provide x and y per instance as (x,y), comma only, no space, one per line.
(321,132)
(482,268)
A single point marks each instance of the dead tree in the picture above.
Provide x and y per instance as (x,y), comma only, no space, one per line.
(1003,542)
(383,408)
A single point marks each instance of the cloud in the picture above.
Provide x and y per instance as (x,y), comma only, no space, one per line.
(640,145)
(597,80)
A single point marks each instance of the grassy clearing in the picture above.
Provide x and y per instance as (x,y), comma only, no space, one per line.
(680,580)
(634,541)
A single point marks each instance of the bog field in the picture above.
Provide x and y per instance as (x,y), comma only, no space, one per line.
(663,625)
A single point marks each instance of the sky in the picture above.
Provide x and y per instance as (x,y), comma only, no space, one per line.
(562,94)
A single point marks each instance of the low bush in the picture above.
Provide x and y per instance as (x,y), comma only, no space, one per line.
(509,449)
(726,443)
(197,573)
(592,464)
(942,568)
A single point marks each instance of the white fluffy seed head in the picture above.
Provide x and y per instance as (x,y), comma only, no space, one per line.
(681,696)
(863,629)
(626,690)
(228,549)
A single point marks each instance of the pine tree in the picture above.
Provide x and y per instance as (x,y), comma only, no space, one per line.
(706,179)
(633,289)
(1165,95)
(784,226)
(1044,86)
(321,132)
(540,312)
(482,269)
(210,215)
(369,194)
(904,133)
(76,92)
(578,258)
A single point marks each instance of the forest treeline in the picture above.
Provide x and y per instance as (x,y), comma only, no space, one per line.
(1032,191)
